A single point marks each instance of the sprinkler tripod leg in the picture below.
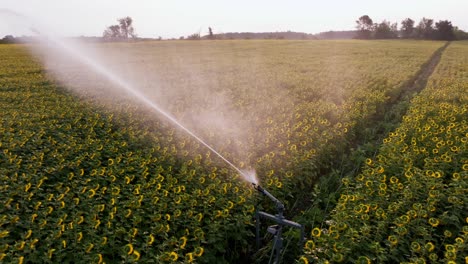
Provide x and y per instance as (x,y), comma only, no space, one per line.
(257,229)
(276,231)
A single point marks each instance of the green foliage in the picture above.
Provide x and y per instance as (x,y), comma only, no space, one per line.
(111,182)
(79,187)
(409,204)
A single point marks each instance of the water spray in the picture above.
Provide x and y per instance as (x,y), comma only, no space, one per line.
(247,175)
(123,84)
(275,230)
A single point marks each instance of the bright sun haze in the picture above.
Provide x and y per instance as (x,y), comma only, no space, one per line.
(172,19)
(193,132)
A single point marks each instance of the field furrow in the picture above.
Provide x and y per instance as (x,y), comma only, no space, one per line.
(91,175)
(409,204)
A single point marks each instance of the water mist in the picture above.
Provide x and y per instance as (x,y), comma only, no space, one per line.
(64,56)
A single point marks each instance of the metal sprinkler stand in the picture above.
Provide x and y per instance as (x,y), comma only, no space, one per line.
(276,230)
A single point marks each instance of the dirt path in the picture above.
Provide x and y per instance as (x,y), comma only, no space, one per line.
(419,81)
(367,145)
(392,112)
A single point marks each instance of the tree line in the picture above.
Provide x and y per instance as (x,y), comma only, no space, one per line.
(425,29)
(365,29)
(121,31)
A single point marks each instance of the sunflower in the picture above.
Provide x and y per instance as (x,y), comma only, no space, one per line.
(316,232)
(199,251)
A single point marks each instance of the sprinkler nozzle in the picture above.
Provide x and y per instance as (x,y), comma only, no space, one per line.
(257,187)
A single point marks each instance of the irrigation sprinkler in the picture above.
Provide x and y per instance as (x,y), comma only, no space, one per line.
(275,230)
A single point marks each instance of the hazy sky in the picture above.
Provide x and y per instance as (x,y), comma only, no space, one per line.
(174,18)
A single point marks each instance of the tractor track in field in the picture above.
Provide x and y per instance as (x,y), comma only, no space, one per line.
(386,119)
(394,110)
(419,81)
(389,115)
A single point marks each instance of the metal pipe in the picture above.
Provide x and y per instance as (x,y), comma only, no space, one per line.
(279,204)
(276,230)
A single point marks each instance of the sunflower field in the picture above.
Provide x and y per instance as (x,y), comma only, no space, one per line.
(89,180)
(410,203)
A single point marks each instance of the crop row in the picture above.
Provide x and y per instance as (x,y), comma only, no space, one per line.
(93,181)
(410,202)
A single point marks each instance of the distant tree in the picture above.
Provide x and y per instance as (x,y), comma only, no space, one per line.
(460,34)
(394,29)
(364,27)
(194,36)
(385,30)
(181,37)
(123,30)
(407,28)
(425,29)
(126,27)
(445,30)
(112,32)
(8,39)
(210,33)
